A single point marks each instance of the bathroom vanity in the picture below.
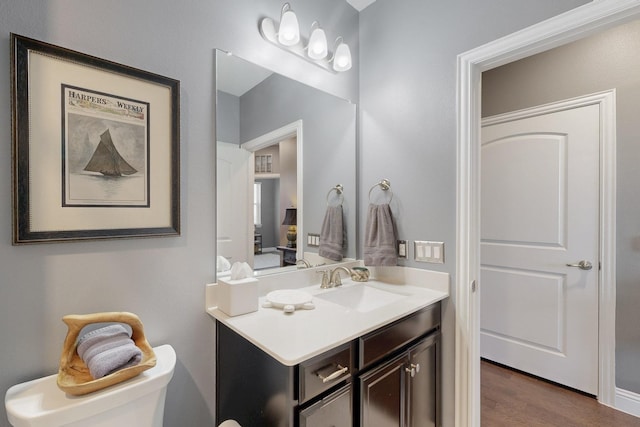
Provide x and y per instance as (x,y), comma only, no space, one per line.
(389,377)
(341,364)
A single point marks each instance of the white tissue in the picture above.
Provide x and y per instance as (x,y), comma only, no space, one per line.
(241,270)
(239,293)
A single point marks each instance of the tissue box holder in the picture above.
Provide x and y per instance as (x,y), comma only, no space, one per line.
(236,297)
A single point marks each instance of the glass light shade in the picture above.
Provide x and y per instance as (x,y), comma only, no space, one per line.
(289,31)
(317,48)
(342,58)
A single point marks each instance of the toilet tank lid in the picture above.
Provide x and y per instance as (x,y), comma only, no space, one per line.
(41,399)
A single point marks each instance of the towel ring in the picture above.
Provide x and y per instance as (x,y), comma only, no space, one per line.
(385,185)
(338,189)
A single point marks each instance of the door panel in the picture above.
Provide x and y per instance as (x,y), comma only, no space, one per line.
(540,212)
(541,302)
(234,203)
(423,386)
(528,189)
(383,396)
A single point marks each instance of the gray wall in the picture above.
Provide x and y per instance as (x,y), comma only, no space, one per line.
(270,212)
(228,118)
(271,219)
(160,279)
(407,134)
(601,62)
(408,52)
(329,150)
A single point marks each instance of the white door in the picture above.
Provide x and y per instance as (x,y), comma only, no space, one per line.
(234,211)
(540,212)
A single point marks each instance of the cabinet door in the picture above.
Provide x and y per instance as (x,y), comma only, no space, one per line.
(332,411)
(382,392)
(423,384)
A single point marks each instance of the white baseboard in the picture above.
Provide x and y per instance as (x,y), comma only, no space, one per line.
(628,401)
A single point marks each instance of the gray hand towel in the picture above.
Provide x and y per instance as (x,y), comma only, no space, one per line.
(332,234)
(107,350)
(380,237)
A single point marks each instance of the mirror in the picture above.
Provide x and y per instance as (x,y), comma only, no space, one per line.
(282,148)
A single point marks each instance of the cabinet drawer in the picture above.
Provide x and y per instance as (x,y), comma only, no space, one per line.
(323,372)
(382,342)
(333,410)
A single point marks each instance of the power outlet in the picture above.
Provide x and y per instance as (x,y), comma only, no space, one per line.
(402,249)
(425,251)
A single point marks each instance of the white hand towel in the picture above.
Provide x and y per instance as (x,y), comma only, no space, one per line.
(380,237)
(332,234)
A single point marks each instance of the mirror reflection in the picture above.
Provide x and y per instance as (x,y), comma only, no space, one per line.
(282,148)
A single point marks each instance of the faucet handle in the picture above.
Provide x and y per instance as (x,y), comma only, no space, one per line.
(325,279)
(335,278)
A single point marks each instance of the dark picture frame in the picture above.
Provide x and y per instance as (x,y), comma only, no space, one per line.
(96,147)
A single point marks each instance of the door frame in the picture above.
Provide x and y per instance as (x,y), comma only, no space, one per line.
(562,29)
(270,138)
(606,281)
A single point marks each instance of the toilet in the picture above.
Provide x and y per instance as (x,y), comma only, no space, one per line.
(135,402)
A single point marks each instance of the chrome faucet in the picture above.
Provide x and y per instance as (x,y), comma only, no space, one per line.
(335,276)
(304,262)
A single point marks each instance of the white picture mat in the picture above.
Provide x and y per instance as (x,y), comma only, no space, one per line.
(46,75)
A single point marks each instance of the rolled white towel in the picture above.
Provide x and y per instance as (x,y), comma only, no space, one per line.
(107,350)
(222,264)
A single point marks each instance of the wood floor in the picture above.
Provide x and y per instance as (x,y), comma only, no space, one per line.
(510,398)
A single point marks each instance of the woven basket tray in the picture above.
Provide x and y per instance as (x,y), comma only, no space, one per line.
(73,375)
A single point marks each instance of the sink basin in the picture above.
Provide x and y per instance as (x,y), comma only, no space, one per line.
(361,298)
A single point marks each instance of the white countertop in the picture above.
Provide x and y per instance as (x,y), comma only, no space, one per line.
(296,337)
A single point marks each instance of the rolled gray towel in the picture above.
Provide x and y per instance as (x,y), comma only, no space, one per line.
(107,350)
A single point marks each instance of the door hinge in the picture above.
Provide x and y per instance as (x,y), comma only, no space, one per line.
(474,286)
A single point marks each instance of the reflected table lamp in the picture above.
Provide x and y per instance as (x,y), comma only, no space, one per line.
(290,219)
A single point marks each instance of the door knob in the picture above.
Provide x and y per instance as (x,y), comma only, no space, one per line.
(582,265)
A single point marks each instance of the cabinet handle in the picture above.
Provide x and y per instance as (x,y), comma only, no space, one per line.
(413,369)
(341,370)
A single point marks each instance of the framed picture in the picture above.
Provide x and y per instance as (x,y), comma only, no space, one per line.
(96,147)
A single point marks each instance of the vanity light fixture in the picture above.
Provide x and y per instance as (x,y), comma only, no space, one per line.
(286,36)
(289,30)
(317,47)
(342,57)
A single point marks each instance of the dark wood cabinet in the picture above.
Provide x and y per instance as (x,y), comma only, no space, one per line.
(403,391)
(423,386)
(333,410)
(387,378)
(383,400)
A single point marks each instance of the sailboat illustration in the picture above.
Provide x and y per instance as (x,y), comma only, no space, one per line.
(107,160)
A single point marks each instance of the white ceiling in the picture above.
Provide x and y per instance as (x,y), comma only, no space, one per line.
(360,4)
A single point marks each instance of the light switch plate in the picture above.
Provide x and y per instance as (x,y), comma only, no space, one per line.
(313,239)
(427,251)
